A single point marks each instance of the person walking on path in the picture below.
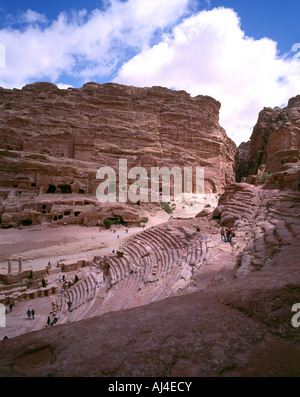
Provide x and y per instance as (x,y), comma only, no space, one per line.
(28,314)
(32,313)
(48,321)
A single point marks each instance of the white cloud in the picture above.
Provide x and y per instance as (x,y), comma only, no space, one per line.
(63,86)
(81,44)
(147,42)
(31,16)
(209,54)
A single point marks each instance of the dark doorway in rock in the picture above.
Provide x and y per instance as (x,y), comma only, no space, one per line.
(51,189)
(26,222)
(65,189)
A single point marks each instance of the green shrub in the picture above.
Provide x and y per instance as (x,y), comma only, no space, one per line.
(107,223)
(264,177)
(144,220)
(166,207)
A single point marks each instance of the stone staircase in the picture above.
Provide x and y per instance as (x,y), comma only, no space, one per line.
(152,264)
(265,221)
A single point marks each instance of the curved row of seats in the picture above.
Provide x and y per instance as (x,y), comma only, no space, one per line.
(150,265)
(80,295)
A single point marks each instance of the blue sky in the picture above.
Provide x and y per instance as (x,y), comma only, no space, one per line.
(239,52)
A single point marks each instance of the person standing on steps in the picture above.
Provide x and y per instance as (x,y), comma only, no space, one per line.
(228,235)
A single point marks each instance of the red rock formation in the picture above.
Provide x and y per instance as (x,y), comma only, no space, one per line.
(228,306)
(242,160)
(55,140)
(276,137)
(274,148)
(60,210)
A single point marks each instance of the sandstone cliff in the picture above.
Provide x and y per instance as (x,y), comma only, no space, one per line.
(173,301)
(54,140)
(274,147)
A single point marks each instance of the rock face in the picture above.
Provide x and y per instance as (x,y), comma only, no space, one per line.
(230,327)
(276,137)
(242,159)
(54,140)
(58,210)
(175,299)
(266,223)
(274,147)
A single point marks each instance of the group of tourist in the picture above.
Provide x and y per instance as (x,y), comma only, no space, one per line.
(57,263)
(51,323)
(10,307)
(62,279)
(227,234)
(30,314)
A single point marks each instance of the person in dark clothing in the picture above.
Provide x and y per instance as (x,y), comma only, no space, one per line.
(228,235)
(32,313)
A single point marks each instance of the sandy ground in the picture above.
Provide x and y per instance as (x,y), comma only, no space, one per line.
(43,243)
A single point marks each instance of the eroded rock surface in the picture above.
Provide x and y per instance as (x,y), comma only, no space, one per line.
(273,150)
(174,299)
(54,140)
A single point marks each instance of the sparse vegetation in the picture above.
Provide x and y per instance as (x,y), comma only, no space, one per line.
(264,177)
(166,207)
(107,223)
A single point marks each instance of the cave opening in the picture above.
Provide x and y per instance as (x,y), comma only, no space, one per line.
(65,189)
(51,189)
(26,222)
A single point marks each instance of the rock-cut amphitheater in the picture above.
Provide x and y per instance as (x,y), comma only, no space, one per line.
(141,288)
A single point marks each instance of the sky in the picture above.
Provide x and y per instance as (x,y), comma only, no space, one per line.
(245,54)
